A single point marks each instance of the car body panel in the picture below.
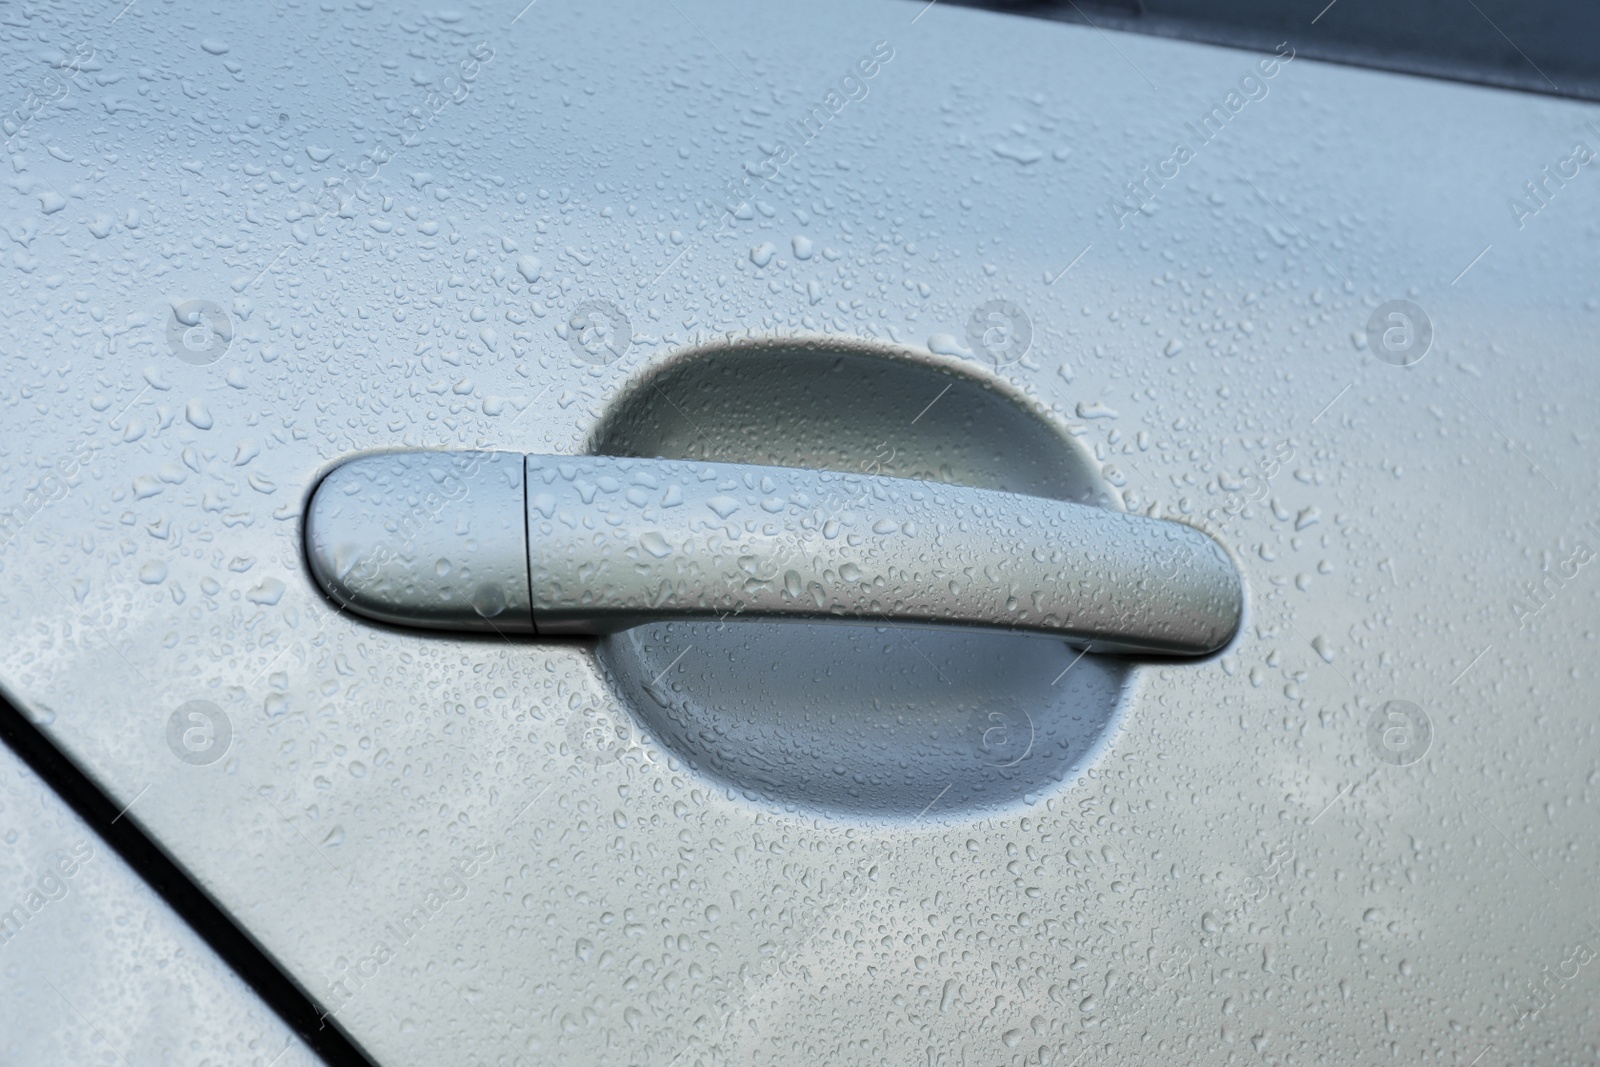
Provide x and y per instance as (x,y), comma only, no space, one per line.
(95,967)
(1262,855)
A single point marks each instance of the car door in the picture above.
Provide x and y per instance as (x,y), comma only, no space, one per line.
(1337,320)
(96,966)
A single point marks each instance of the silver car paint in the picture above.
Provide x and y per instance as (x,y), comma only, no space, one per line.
(95,968)
(1254,857)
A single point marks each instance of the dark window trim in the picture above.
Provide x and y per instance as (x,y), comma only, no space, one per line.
(1535,46)
(182,893)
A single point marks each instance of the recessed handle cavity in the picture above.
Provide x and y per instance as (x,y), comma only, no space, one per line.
(496,541)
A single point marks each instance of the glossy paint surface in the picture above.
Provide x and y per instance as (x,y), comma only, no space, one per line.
(1317,312)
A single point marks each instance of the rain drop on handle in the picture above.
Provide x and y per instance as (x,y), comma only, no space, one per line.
(550,545)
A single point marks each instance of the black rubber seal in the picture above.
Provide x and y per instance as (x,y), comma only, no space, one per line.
(122,832)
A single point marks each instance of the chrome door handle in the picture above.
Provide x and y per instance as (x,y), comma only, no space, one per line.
(594,544)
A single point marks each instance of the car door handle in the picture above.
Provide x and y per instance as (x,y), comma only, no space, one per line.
(551,545)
